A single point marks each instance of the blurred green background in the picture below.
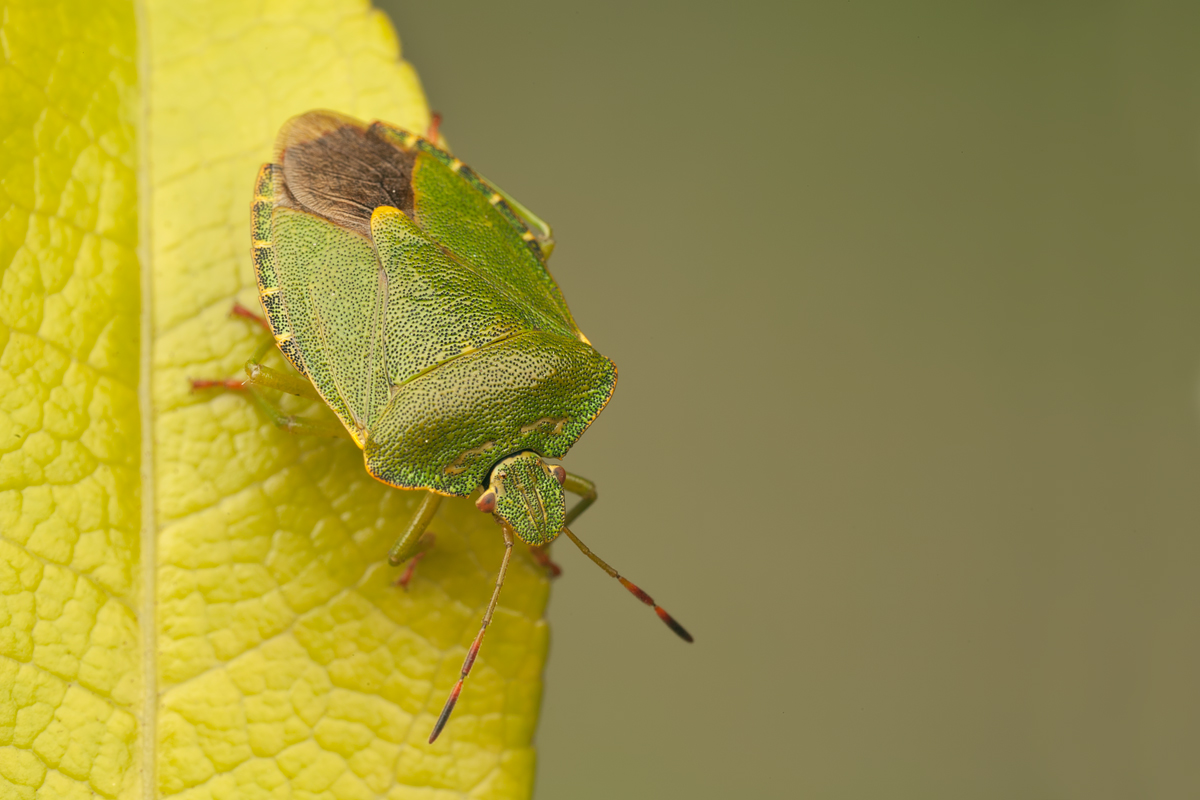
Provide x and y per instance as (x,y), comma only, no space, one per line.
(906,305)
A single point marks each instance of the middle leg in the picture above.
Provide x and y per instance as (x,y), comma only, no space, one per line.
(587,495)
(543,560)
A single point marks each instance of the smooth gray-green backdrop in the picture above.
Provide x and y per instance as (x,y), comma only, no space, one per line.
(905,299)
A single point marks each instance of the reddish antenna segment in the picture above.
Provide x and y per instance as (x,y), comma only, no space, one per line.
(487,618)
(474,651)
(633,589)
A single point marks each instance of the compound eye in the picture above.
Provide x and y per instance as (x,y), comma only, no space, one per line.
(487,501)
(559,474)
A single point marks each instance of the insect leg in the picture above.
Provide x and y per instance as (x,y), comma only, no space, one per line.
(542,229)
(587,495)
(288,422)
(262,375)
(474,651)
(435,122)
(299,426)
(240,310)
(633,589)
(410,542)
(234,384)
(407,576)
(544,561)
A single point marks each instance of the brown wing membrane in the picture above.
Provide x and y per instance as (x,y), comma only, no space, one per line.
(335,168)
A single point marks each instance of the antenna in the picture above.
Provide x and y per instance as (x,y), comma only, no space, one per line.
(634,590)
(487,618)
(474,651)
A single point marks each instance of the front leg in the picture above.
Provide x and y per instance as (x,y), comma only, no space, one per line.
(412,542)
(543,560)
(587,495)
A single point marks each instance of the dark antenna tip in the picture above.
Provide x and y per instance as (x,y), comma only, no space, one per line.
(446,709)
(679,630)
(474,651)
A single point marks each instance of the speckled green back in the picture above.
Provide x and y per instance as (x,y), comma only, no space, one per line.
(444,430)
(418,304)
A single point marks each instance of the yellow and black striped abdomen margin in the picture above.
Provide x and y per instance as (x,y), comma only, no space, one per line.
(268,182)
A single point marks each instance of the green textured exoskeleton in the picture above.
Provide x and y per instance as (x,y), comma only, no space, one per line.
(415,297)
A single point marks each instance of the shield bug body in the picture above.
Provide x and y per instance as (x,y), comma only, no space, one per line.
(414,297)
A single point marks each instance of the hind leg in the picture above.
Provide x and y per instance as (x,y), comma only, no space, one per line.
(259,376)
(415,541)
(291,423)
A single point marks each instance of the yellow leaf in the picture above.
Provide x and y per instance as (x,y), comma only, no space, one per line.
(194,604)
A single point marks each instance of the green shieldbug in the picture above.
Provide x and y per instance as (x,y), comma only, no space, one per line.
(414,296)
